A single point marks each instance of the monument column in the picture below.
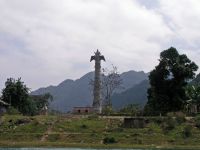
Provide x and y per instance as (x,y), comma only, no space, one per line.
(97,81)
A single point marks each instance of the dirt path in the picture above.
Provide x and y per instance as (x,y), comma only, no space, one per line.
(49,131)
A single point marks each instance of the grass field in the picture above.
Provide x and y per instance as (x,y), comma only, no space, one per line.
(62,131)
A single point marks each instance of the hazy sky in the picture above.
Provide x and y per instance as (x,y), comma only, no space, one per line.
(48,41)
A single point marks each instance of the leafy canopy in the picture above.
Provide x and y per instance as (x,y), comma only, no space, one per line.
(168,81)
(16,93)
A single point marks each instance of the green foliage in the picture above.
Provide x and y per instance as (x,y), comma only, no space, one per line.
(84,126)
(131,109)
(168,81)
(180,117)
(42,100)
(193,96)
(158,120)
(53,137)
(39,102)
(12,111)
(29,107)
(168,124)
(109,140)
(81,125)
(16,94)
(197,121)
(187,131)
(26,131)
(107,110)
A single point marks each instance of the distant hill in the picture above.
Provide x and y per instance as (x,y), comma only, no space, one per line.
(71,93)
(132,78)
(135,95)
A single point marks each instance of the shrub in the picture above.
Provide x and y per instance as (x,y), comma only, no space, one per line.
(187,131)
(170,114)
(180,117)
(12,111)
(158,120)
(168,124)
(83,126)
(137,140)
(197,121)
(107,111)
(109,140)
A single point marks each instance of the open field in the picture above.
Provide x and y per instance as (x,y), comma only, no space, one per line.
(92,131)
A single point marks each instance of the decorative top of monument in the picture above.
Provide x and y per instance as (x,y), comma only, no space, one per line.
(97,53)
(97,56)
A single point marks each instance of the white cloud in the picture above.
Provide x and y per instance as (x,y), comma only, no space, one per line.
(47,41)
(184,18)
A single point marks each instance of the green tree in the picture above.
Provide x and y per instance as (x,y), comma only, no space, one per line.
(193,95)
(16,94)
(41,101)
(168,81)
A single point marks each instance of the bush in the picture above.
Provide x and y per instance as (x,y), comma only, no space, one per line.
(157,120)
(170,114)
(109,140)
(12,111)
(187,131)
(180,117)
(169,124)
(107,111)
(197,121)
(83,126)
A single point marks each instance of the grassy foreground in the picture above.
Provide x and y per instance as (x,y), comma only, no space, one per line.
(62,131)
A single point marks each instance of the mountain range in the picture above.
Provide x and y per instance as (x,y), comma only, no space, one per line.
(72,93)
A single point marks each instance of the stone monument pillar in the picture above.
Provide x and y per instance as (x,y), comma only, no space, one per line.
(97,81)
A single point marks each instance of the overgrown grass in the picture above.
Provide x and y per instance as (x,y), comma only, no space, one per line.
(95,131)
(80,125)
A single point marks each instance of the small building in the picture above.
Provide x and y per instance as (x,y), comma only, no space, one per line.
(83,110)
(3,107)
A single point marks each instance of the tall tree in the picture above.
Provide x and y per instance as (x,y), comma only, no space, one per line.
(15,93)
(168,81)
